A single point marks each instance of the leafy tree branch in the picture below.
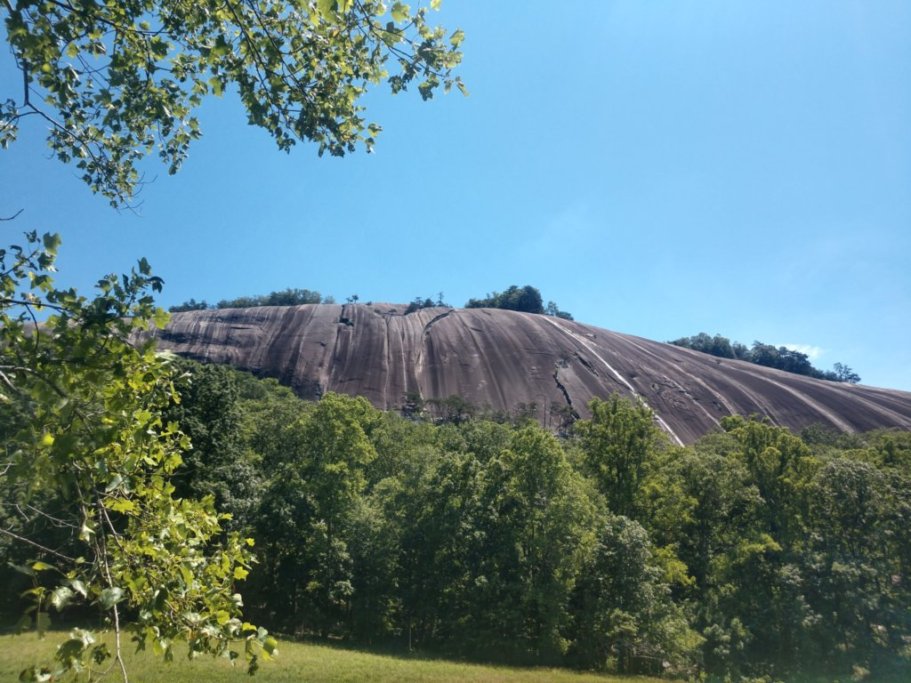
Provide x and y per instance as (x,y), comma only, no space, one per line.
(116,81)
(90,453)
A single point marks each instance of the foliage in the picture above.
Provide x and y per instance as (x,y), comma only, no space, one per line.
(115,81)
(739,557)
(219,464)
(286,297)
(753,554)
(418,303)
(617,443)
(554,310)
(306,512)
(526,299)
(453,409)
(190,305)
(780,358)
(856,562)
(88,409)
(624,617)
(716,346)
(534,529)
(844,374)
(88,453)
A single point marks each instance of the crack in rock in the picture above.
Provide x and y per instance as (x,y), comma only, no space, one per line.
(436,319)
(569,401)
(588,366)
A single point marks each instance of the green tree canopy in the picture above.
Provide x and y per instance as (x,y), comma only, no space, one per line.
(617,443)
(526,299)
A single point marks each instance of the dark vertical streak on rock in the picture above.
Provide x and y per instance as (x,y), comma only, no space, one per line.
(501,358)
(436,319)
(562,389)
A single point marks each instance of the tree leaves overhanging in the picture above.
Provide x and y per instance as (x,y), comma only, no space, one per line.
(117,80)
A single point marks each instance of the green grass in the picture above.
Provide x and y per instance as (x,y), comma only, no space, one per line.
(296,662)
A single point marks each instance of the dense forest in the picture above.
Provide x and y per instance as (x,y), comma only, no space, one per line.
(780,357)
(755,553)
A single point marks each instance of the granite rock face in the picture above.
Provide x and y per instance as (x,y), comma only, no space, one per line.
(501,359)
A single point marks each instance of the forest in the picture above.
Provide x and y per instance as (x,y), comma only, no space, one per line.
(754,553)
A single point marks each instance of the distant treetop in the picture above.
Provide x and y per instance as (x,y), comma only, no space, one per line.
(418,303)
(525,299)
(286,297)
(780,358)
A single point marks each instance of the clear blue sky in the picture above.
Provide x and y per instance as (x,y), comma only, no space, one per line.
(657,168)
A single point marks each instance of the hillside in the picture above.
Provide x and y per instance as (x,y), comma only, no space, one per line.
(501,359)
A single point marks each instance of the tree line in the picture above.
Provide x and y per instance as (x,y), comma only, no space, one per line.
(768,355)
(284,297)
(525,299)
(756,552)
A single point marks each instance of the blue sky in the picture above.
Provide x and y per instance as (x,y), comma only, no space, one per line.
(657,168)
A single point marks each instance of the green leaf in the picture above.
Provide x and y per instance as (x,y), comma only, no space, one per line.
(70,649)
(457,37)
(51,242)
(61,597)
(216,86)
(326,8)
(85,532)
(111,596)
(116,481)
(122,505)
(160,318)
(400,12)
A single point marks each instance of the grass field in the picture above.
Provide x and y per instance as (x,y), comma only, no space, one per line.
(297,662)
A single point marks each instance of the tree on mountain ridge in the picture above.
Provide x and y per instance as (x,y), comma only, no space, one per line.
(525,299)
(780,357)
(88,448)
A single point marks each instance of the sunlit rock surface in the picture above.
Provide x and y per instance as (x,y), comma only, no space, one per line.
(500,359)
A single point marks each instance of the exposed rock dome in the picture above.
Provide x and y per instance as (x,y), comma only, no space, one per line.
(501,359)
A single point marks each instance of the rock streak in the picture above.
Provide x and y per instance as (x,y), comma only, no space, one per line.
(501,359)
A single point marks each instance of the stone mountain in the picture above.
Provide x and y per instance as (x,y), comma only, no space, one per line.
(502,359)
